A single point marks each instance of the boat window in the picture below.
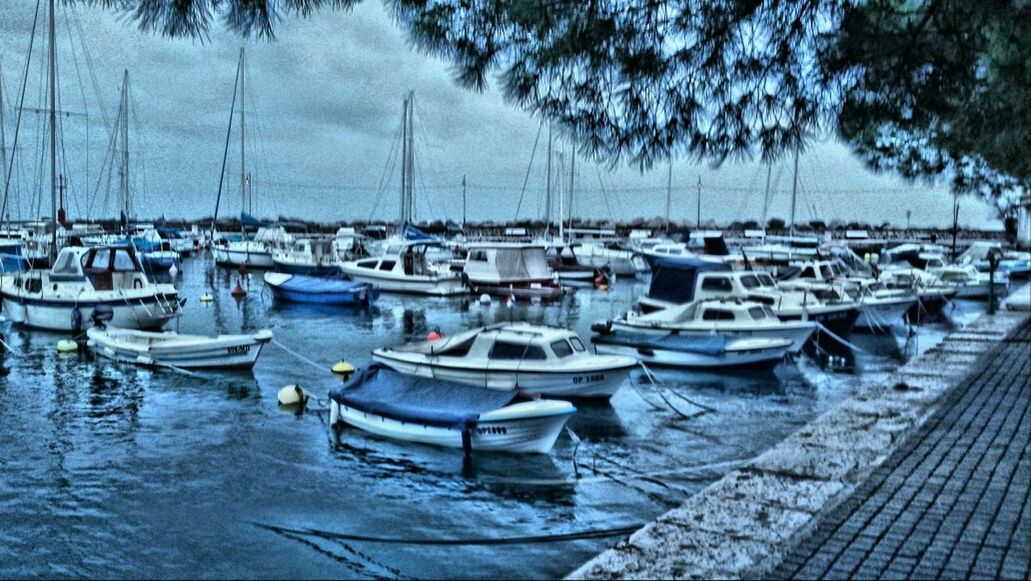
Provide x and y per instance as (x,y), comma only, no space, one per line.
(101,259)
(503,350)
(123,262)
(758,313)
(750,281)
(561,348)
(826,272)
(387,265)
(368,264)
(478,255)
(766,280)
(67,263)
(808,272)
(718,315)
(716,283)
(34,285)
(578,345)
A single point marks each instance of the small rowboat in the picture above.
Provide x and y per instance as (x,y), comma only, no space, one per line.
(677,350)
(386,403)
(324,291)
(172,349)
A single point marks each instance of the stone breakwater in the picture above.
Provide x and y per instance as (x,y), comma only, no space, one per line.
(743,525)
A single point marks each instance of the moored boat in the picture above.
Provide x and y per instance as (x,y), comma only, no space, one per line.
(712,352)
(319,290)
(173,349)
(389,404)
(405,268)
(511,269)
(513,356)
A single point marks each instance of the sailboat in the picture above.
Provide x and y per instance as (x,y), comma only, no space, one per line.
(404,266)
(106,282)
(256,253)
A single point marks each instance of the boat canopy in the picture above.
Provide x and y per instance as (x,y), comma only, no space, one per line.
(674,278)
(379,390)
(411,233)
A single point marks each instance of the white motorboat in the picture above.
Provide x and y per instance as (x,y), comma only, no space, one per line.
(715,351)
(881,307)
(733,318)
(513,356)
(307,256)
(969,282)
(173,349)
(405,268)
(386,403)
(621,261)
(256,253)
(84,280)
(511,268)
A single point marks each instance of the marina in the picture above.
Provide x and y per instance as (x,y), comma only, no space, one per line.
(628,290)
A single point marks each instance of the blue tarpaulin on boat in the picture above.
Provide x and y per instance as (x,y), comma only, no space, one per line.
(381,391)
(249,220)
(413,234)
(673,277)
(316,284)
(714,345)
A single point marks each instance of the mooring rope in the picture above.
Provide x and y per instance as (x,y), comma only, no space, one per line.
(824,329)
(299,356)
(481,541)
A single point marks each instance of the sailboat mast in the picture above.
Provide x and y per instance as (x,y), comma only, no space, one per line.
(669,193)
(243,128)
(766,195)
(124,120)
(794,193)
(404,164)
(411,157)
(547,196)
(53,134)
(572,178)
(3,136)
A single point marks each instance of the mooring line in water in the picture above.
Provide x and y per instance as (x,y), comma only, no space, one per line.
(8,347)
(824,329)
(655,381)
(299,356)
(731,464)
(480,541)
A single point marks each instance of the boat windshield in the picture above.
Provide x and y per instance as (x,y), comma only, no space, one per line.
(750,281)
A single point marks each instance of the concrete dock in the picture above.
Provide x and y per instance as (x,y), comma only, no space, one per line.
(926,474)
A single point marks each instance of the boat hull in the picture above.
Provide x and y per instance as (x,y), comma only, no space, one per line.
(520,292)
(883,315)
(410,284)
(797,332)
(349,298)
(732,358)
(306,269)
(142,312)
(596,383)
(229,257)
(223,352)
(527,435)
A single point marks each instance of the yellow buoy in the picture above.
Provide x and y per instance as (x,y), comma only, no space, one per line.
(292,395)
(206,298)
(343,368)
(67,346)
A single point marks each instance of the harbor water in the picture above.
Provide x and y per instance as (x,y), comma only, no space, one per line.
(111,470)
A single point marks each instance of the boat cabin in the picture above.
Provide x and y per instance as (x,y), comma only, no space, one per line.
(105,267)
(508,263)
(720,310)
(507,342)
(403,258)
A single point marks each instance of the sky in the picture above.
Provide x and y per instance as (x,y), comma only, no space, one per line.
(323,109)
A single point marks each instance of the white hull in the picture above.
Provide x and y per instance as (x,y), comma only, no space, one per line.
(496,431)
(620,262)
(980,290)
(796,332)
(414,284)
(571,384)
(129,313)
(184,351)
(251,259)
(735,357)
(883,314)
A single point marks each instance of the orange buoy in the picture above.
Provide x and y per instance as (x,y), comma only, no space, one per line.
(434,335)
(238,291)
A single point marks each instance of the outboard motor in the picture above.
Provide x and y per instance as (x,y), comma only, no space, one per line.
(102,315)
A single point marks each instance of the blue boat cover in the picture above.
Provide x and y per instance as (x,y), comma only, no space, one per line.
(712,345)
(249,220)
(413,234)
(381,391)
(673,277)
(300,283)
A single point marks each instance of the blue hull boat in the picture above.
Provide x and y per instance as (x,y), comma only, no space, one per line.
(322,291)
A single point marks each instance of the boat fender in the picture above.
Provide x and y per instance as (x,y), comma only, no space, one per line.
(334,413)
(206,298)
(343,368)
(435,335)
(76,320)
(467,442)
(173,271)
(485,299)
(67,346)
(292,395)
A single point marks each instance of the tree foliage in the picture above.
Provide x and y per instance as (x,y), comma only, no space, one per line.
(919,87)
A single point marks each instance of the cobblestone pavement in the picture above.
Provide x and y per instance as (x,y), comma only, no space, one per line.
(953,501)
